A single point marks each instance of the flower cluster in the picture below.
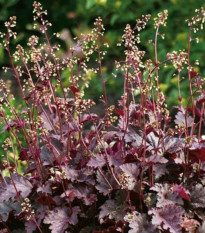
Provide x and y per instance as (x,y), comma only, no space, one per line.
(178,59)
(197,22)
(161,19)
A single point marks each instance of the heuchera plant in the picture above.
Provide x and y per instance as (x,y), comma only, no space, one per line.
(135,169)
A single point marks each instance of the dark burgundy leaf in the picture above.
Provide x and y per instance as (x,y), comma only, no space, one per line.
(193,73)
(86,175)
(200,99)
(135,113)
(197,150)
(24,154)
(46,200)
(73,89)
(134,138)
(149,129)
(119,111)
(196,110)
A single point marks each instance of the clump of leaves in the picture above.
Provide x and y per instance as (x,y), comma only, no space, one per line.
(133,169)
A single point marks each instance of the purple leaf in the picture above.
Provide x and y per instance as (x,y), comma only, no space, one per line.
(182,120)
(85,175)
(46,156)
(60,218)
(109,136)
(168,218)
(138,223)
(156,158)
(73,216)
(197,150)
(8,191)
(41,211)
(153,141)
(30,226)
(166,196)
(81,192)
(47,121)
(130,169)
(105,184)
(133,138)
(112,210)
(160,170)
(88,117)
(174,145)
(45,188)
(197,195)
(116,159)
(97,161)
(71,174)
(7,207)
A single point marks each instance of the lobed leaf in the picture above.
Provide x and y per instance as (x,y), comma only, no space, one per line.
(168,217)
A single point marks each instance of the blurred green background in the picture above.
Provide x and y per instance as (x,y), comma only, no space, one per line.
(72,17)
